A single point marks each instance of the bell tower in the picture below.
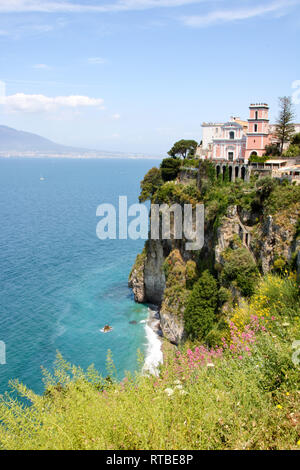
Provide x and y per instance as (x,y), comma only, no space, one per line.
(258,135)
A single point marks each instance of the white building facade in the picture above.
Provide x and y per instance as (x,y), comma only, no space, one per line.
(230,145)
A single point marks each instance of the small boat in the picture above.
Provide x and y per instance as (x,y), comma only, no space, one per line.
(42,178)
(106,329)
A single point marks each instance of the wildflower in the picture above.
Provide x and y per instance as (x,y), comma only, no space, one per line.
(179,387)
(169,392)
(183,392)
(210,364)
(177,382)
(279,407)
(287,394)
(285,324)
(298,443)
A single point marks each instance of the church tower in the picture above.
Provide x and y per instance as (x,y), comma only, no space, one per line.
(258,135)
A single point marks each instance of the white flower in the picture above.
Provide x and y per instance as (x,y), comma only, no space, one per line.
(183,392)
(169,391)
(177,382)
(179,387)
(210,364)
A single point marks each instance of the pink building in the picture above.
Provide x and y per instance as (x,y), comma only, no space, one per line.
(231,144)
(237,141)
(258,135)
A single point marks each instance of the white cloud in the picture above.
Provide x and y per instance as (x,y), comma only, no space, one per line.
(223,16)
(42,67)
(116,116)
(42,103)
(96,60)
(10,6)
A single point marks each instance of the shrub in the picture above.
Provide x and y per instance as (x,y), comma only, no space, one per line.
(190,163)
(191,274)
(292,151)
(150,184)
(201,309)
(272,150)
(170,168)
(296,139)
(223,295)
(257,159)
(239,269)
(171,193)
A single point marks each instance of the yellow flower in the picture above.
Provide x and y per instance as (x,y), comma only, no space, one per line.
(279,407)
(287,394)
(298,443)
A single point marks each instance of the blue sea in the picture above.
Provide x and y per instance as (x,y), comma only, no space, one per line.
(59,284)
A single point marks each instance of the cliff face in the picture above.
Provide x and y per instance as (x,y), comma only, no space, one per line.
(159,277)
(164,272)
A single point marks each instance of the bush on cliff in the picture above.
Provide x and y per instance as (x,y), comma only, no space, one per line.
(239,270)
(170,168)
(176,293)
(171,193)
(201,309)
(150,184)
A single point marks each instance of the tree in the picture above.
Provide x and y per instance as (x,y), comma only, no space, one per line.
(272,150)
(183,148)
(296,139)
(285,127)
(170,168)
(150,184)
(201,309)
(293,151)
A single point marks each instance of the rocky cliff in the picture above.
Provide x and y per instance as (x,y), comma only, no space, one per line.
(164,273)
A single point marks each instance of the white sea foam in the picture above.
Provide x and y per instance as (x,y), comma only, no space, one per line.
(154,355)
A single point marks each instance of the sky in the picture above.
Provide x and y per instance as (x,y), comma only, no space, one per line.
(137,75)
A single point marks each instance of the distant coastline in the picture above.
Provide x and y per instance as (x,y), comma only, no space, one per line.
(77,156)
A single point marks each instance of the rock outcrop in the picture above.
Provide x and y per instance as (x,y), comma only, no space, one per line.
(160,275)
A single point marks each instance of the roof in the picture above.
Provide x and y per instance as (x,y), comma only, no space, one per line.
(291,168)
(276,161)
(233,124)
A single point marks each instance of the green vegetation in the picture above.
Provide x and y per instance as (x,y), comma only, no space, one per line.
(285,128)
(150,184)
(263,159)
(190,163)
(176,292)
(183,148)
(201,309)
(239,270)
(171,193)
(170,168)
(296,139)
(293,151)
(271,150)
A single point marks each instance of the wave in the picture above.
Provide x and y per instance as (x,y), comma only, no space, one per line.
(154,355)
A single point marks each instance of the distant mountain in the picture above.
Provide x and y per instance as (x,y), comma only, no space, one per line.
(25,144)
(12,140)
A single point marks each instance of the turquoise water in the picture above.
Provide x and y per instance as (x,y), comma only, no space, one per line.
(59,284)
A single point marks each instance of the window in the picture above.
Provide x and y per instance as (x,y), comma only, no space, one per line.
(255,127)
(256,115)
(231,135)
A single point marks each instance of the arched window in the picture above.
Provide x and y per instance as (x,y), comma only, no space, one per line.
(255,127)
(253,154)
(231,135)
(256,115)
